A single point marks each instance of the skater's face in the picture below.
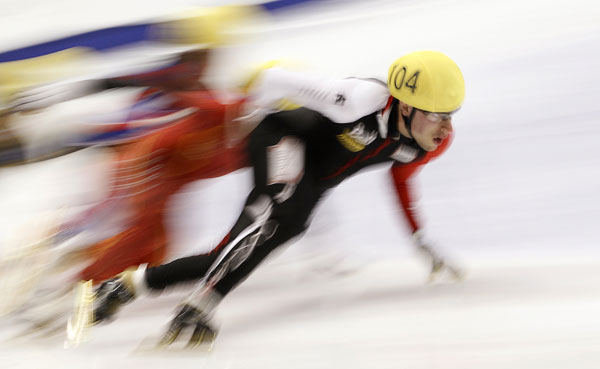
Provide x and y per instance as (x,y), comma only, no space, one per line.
(189,71)
(195,62)
(428,129)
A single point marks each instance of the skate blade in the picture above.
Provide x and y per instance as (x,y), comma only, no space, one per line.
(152,345)
(446,274)
(83,315)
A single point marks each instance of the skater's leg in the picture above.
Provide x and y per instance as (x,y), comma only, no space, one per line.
(140,244)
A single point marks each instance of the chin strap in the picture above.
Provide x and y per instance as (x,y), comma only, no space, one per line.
(408,122)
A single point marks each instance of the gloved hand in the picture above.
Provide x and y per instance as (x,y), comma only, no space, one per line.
(43,96)
(438,263)
(189,317)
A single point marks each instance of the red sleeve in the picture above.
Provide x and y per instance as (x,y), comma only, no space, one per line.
(401,173)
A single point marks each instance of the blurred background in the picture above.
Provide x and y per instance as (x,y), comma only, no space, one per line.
(515,200)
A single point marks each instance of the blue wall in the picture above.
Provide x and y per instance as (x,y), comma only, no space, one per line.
(107,38)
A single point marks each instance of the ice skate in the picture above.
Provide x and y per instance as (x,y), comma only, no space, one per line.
(112,294)
(187,317)
(93,307)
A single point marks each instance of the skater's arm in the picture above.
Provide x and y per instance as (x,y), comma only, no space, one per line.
(183,74)
(402,175)
(342,101)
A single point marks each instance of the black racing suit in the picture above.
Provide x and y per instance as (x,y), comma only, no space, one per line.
(297,156)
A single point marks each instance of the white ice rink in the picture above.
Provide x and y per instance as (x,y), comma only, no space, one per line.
(516,201)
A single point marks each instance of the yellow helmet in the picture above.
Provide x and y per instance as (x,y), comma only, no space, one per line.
(427,80)
(210,27)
